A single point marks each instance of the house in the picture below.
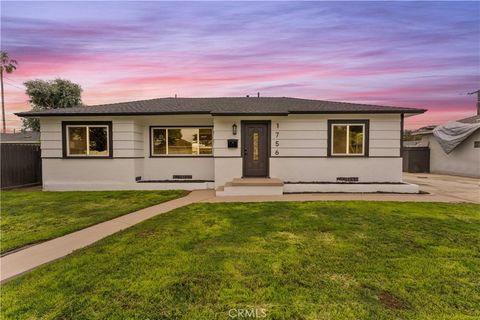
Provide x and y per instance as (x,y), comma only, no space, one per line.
(454,147)
(237,145)
(27,137)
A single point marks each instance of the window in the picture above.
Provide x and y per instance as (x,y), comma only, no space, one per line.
(476,144)
(348,138)
(181,141)
(91,139)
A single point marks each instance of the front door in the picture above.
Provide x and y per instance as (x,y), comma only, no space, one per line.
(255,145)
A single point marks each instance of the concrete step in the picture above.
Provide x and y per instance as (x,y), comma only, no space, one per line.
(251,187)
(254,182)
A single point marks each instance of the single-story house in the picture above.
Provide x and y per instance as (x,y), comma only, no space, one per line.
(454,147)
(237,145)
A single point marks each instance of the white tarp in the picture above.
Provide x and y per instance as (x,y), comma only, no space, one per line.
(451,134)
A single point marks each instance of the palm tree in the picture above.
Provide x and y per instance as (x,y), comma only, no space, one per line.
(7,65)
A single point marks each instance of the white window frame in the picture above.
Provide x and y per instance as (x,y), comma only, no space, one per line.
(347,152)
(87,126)
(166,154)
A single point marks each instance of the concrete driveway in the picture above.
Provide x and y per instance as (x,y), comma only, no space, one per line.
(446,188)
(440,188)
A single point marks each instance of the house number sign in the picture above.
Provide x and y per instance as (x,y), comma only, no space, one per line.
(276,134)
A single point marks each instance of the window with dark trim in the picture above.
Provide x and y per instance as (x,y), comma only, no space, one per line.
(348,138)
(87,139)
(181,141)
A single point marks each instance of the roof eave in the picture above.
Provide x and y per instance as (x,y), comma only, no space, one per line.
(414,111)
(89,114)
(226,114)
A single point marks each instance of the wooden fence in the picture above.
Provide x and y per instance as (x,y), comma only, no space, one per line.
(21,165)
(416,159)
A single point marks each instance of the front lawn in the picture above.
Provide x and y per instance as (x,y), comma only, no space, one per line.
(29,217)
(311,260)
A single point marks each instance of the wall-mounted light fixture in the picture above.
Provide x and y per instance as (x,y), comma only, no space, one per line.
(234,129)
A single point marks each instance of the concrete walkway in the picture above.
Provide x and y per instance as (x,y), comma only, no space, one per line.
(24,260)
(445,188)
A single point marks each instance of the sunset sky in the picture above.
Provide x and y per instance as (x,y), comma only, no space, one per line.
(410,54)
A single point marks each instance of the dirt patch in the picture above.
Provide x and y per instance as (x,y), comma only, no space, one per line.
(391,301)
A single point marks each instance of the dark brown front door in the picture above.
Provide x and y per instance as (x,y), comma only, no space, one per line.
(255,137)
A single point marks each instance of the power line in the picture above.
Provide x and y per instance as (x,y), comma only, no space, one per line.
(14,81)
(11,84)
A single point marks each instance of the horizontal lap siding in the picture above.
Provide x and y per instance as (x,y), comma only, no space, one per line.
(302,149)
(299,138)
(302,136)
(222,131)
(127,139)
(51,137)
(302,146)
(127,136)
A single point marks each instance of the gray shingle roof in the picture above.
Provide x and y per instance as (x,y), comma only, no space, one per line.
(474,119)
(20,137)
(221,106)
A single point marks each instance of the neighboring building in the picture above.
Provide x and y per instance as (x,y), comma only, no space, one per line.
(28,137)
(464,159)
(288,144)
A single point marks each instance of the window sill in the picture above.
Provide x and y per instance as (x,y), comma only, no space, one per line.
(92,157)
(185,156)
(347,156)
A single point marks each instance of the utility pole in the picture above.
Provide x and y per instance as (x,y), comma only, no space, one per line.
(3,102)
(478,100)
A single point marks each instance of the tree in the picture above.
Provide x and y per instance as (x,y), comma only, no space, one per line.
(8,66)
(408,136)
(51,94)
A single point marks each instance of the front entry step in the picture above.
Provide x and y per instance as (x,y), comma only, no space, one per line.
(252,187)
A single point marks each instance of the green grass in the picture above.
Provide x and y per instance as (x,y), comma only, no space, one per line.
(311,260)
(30,217)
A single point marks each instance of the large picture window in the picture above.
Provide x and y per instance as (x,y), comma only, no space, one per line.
(181,141)
(348,138)
(91,139)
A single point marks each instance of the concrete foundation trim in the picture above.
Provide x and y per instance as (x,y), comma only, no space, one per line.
(132,186)
(350,188)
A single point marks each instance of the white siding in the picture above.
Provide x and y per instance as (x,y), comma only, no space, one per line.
(302,149)
(51,137)
(163,168)
(127,136)
(226,169)
(302,152)
(201,168)
(87,174)
(328,169)
(306,136)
